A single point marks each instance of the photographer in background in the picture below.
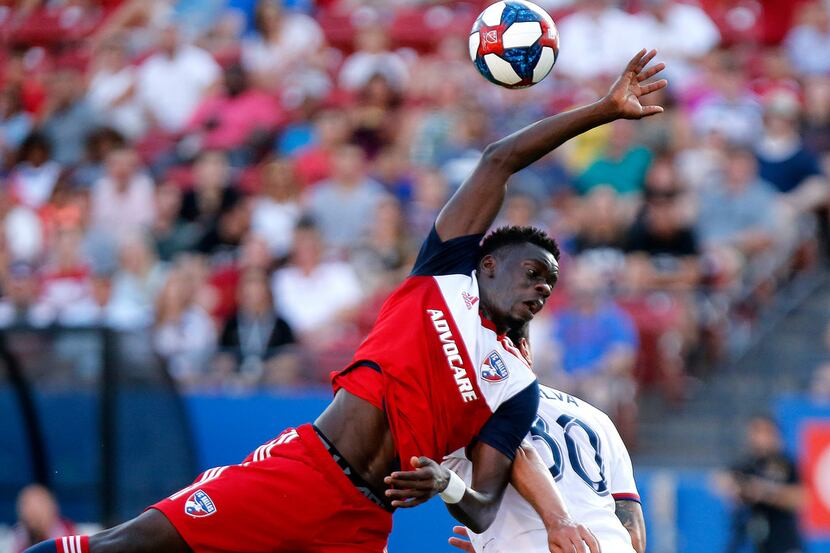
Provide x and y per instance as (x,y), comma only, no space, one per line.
(767,492)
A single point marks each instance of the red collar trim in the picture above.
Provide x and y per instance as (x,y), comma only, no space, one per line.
(487,323)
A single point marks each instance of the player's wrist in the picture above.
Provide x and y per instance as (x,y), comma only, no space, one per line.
(455,489)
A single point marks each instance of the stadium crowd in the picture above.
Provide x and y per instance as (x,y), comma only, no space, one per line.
(245,181)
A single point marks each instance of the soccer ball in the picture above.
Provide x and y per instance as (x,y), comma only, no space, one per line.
(514,43)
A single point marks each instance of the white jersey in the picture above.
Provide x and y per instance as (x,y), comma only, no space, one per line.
(592,469)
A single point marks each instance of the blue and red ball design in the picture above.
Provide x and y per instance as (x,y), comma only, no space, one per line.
(514,43)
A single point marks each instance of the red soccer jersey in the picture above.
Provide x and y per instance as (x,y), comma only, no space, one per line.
(442,370)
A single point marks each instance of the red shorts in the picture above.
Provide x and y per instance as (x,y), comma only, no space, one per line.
(288,495)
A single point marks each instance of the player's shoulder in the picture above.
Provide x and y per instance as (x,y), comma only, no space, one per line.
(572,403)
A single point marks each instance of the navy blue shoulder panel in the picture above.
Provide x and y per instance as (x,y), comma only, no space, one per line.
(457,256)
(511,422)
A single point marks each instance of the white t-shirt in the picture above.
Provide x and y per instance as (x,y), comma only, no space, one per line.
(105,88)
(310,301)
(592,469)
(171,88)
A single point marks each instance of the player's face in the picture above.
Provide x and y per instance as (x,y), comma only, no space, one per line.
(517,282)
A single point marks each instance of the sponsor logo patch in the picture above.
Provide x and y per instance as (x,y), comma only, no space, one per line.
(494,369)
(199,504)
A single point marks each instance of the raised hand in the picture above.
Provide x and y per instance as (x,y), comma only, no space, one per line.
(623,97)
(411,488)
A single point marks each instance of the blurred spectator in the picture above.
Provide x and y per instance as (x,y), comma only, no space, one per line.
(99,144)
(783,160)
(277,210)
(20,292)
(343,205)
(600,233)
(173,81)
(681,32)
(311,294)
(383,257)
(68,117)
(122,200)
(819,390)
(33,178)
(725,104)
(372,58)
(136,284)
(809,40)
(171,233)
(112,90)
(374,116)
(284,42)
(212,194)
(240,120)
(430,194)
(661,246)
(595,40)
(15,123)
(622,166)
(596,341)
(738,213)
(331,131)
(255,339)
(816,124)
(38,518)
(185,335)
(65,278)
(767,493)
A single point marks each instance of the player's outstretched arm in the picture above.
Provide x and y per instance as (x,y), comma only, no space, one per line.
(474,207)
(630,514)
(533,481)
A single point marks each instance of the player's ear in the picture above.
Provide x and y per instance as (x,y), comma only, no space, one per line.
(488,265)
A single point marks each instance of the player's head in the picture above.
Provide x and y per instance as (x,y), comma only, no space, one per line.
(517,270)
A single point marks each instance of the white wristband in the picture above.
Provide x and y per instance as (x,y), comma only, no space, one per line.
(455,489)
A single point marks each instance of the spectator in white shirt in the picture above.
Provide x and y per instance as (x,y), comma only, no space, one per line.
(372,58)
(680,32)
(276,211)
(123,200)
(313,295)
(172,82)
(596,40)
(112,90)
(808,42)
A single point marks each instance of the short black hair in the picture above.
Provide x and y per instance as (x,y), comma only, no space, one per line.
(510,236)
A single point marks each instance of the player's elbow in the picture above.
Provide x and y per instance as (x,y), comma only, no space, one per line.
(480,523)
(497,157)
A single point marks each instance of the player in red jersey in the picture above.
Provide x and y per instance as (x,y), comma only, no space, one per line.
(438,372)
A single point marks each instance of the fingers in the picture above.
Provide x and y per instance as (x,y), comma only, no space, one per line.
(651,110)
(460,530)
(590,539)
(644,60)
(650,72)
(409,504)
(651,87)
(419,474)
(409,493)
(425,484)
(635,61)
(462,545)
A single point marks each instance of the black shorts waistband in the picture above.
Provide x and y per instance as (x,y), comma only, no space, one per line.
(353,476)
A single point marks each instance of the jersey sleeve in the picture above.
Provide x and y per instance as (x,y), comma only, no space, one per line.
(508,426)
(621,473)
(457,256)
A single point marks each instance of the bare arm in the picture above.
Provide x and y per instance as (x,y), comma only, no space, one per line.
(534,482)
(474,207)
(481,500)
(630,514)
